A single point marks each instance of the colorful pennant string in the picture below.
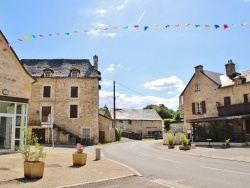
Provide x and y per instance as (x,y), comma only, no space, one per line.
(145,28)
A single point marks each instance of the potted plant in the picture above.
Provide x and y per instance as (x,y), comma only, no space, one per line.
(226,144)
(184,142)
(33,154)
(171,140)
(79,157)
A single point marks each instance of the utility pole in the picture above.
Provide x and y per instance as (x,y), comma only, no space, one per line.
(114,121)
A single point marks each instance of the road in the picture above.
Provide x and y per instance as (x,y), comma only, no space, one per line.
(176,169)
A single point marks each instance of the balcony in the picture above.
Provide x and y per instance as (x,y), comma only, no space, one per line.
(234,109)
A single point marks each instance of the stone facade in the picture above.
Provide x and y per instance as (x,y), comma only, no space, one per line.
(84,123)
(15,91)
(106,128)
(208,93)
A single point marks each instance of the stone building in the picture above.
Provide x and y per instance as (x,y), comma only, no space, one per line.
(144,121)
(213,100)
(68,89)
(15,92)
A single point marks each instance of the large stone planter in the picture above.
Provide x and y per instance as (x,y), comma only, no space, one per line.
(79,159)
(33,170)
(184,147)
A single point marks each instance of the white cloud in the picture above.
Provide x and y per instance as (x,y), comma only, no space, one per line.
(109,34)
(100,12)
(106,82)
(114,67)
(136,102)
(110,68)
(165,83)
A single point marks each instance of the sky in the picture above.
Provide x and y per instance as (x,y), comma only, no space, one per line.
(148,47)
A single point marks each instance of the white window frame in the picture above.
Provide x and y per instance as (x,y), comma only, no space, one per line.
(74,74)
(47,74)
(198,108)
(84,135)
(197,87)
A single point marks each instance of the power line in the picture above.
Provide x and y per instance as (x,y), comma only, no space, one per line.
(130,89)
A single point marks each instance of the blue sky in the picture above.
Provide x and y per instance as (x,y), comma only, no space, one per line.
(150,66)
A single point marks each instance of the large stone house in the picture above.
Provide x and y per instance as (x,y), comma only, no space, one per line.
(68,89)
(147,122)
(217,106)
(15,92)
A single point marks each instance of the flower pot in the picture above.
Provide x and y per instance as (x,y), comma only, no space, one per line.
(184,147)
(171,146)
(33,170)
(79,159)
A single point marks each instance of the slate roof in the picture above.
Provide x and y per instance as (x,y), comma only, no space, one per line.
(135,114)
(215,76)
(61,67)
(226,81)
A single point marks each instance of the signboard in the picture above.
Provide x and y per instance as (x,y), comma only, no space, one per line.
(189,131)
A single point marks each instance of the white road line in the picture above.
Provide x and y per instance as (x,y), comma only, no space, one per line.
(130,147)
(225,170)
(145,154)
(169,160)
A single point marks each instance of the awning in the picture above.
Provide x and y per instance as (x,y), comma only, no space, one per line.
(217,118)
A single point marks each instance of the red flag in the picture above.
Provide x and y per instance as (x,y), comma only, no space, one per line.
(225,26)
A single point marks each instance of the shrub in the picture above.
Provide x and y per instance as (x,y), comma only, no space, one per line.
(171,138)
(117,134)
(184,140)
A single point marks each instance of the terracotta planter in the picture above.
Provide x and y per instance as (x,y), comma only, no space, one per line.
(33,170)
(79,159)
(184,147)
(171,146)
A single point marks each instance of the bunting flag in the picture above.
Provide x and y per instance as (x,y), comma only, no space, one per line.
(225,26)
(156,25)
(216,26)
(26,37)
(136,26)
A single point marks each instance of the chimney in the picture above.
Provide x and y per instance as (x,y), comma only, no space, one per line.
(95,59)
(198,69)
(230,68)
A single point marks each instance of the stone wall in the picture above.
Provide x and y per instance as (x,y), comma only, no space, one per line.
(106,126)
(60,101)
(13,76)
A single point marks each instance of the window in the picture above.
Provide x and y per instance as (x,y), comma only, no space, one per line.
(199,107)
(47,74)
(197,87)
(227,101)
(86,133)
(74,92)
(74,74)
(46,91)
(246,98)
(238,82)
(46,110)
(121,121)
(73,111)
(129,121)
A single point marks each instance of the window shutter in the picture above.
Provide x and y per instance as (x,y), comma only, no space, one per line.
(46,91)
(73,111)
(193,108)
(245,98)
(203,104)
(74,92)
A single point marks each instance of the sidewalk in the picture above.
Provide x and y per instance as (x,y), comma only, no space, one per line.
(241,154)
(59,171)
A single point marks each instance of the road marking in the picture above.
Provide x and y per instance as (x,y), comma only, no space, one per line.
(130,147)
(144,154)
(169,160)
(225,170)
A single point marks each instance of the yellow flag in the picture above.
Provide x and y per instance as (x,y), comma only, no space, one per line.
(207,25)
(26,37)
(115,27)
(156,25)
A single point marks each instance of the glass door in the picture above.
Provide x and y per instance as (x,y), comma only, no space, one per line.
(5,132)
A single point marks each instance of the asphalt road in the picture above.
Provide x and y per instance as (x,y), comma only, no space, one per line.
(176,169)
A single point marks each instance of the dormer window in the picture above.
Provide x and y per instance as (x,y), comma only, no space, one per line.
(48,73)
(74,73)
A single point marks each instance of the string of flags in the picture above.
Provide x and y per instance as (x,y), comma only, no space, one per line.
(145,28)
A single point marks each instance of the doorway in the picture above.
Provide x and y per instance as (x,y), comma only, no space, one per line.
(6,129)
